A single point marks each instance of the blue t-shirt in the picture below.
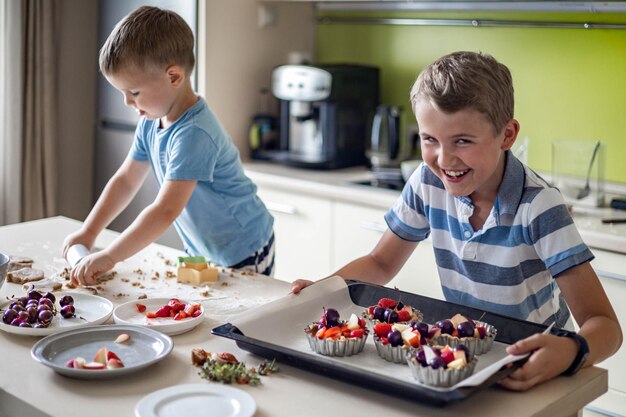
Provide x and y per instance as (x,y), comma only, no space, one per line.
(508,266)
(224,219)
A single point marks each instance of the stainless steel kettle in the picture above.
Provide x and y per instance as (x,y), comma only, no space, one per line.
(384,146)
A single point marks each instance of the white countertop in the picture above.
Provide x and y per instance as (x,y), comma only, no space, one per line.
(338,185)
(28,388)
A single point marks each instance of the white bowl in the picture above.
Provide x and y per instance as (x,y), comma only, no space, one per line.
(408,167)
(4,267)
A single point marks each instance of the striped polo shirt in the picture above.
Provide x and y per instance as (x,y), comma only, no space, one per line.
(508,266)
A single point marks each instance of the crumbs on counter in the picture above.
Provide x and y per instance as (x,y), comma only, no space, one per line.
(138,271)
(125,280)
(224,284)
(120,295)
(142,296)
(170,274)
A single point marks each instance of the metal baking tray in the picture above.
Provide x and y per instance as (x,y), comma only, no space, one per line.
(362,294)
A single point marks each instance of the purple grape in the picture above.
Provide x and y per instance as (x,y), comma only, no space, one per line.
(17,307)
(332,317)
(34,295)
(422,328)
(40,325)
(379,313)
(66,300)
(399,306)
(45,316)
(68,311)
(437,363)
(446,326)
(43,307)
(16,321)
(9,316)
(32,314)
(23,315)
(25,324)
(421,357)
(395,338)
(31,302)
(50,296)
(23,300)
(466,329)
(390,316)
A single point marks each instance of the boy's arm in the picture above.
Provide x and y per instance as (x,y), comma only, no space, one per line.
(377,267)
(598,325)
(117,194)
(147,227)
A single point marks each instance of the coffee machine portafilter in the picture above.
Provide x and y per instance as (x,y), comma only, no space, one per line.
(325,114)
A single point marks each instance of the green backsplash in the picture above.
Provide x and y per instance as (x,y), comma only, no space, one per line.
(569,83)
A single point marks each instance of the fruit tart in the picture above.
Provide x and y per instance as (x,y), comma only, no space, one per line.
(477,336)
(441,366)
(391,311)
(331,336)
(393,340)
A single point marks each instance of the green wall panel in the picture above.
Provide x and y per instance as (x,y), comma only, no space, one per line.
(569,83)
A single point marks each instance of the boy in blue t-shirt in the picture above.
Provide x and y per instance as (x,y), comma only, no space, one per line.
(203,190)
(503,238)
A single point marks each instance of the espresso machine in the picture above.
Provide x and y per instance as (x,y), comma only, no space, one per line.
(326,114)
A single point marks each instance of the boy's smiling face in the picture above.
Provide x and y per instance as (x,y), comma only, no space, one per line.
(463,150)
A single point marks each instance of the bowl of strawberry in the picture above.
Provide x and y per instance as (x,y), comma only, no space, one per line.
(170,316)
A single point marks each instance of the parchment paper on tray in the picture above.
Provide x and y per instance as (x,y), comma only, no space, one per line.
(282,322)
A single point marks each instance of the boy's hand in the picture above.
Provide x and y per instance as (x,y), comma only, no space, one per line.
(551,355)
(83,237)
(299,284)
(90,267)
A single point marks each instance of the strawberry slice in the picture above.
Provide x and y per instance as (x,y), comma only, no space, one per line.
(163,311)
(357,333)
(333,333)
(140,307)
(382,329)
(387,303)
(404,315)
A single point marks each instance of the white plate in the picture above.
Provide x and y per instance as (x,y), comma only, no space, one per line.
(144,348)
(197,400)
(90,310)
(127,313)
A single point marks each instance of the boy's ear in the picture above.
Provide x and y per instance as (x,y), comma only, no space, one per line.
(176,75)
(510,134)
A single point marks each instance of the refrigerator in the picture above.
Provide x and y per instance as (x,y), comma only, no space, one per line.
(116,123)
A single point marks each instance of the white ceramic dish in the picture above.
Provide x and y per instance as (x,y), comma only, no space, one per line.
(198,400)
(90,310)
(144,348)
(127,313)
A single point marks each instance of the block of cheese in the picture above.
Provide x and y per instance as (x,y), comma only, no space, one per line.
(195,270)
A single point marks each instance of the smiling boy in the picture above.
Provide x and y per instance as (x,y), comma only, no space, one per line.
(503,238)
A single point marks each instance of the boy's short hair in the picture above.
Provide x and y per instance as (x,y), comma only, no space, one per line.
(148,38)
(468,80)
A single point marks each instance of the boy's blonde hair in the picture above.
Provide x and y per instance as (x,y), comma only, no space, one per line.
(468,80)
(148,38)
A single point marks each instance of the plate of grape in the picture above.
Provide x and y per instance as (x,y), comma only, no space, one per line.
(42,314)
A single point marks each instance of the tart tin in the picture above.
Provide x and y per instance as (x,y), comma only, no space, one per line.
(475,345)
(395,354)
(438,377)
(344,346)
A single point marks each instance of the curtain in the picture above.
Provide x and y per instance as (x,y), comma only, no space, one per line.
(39,117)
(10,111)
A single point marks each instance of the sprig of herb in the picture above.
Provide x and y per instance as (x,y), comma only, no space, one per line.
(230,373)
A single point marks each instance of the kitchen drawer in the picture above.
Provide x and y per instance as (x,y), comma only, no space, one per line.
(303,235)
(610,267)
(357,230)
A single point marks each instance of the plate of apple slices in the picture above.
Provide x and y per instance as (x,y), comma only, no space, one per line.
(101,352)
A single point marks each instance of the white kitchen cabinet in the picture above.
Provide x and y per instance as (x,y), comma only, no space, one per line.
(358,228)
(302,232)
(610,269)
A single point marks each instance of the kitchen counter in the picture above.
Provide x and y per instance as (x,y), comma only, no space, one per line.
(28,388)
(340,185)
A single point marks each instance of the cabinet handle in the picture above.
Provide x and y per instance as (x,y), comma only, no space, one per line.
(281,208)
(611,275)
(374,227)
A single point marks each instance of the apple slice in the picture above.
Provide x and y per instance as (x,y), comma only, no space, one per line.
(112,355)
(101,356)
(429,354)
(114,363)
(353,322)
(411,337)
(79,362)
(458,319)
(400,327)
(459,354)
(458,363)
(448,355)
(434,332)
(94,366)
